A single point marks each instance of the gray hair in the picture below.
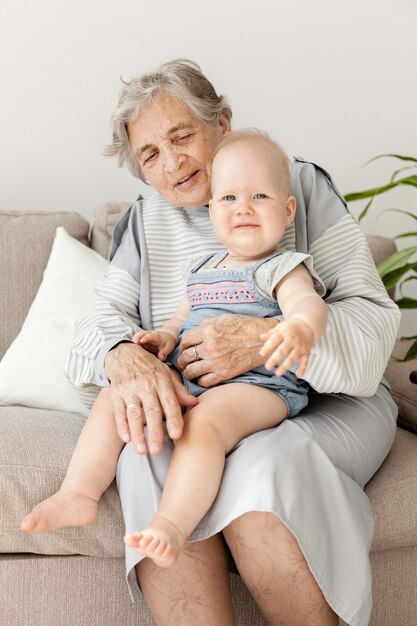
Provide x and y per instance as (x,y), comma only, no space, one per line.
(182,79)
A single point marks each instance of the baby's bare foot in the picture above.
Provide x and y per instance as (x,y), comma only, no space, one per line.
(64,508)
(162,542)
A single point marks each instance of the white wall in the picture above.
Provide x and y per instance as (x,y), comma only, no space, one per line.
(334,81)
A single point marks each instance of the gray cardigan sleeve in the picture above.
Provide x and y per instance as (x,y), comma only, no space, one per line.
(363,321)
(117,311)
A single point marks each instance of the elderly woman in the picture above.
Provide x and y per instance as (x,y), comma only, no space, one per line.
(291,510)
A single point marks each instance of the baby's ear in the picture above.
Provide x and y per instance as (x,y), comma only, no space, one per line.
(290,209)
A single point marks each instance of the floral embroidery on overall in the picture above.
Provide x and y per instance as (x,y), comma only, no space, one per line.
(229,292)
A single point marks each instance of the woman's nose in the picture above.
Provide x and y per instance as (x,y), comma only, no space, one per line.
(172,159)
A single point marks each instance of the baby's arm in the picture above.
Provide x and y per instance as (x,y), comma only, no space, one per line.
(305,319)
(164,340)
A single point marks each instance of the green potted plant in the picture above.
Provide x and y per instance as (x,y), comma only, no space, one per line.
(401,267)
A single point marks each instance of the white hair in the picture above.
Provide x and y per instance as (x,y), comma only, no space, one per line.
(181,78)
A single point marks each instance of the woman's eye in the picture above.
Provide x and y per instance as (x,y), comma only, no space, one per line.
(229,198)
(183,138)
(260,196)
(148,158)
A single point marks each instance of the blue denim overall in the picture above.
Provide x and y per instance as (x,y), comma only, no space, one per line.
(222,290)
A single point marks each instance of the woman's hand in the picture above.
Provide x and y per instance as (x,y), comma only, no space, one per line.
(227,346)
(144,391)
(287,343)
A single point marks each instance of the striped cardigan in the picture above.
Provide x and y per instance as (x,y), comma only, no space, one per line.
(145,281)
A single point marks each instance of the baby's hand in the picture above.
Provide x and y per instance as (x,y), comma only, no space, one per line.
(288,342)
(159,342)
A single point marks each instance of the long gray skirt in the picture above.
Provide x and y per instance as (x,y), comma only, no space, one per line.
(309,471)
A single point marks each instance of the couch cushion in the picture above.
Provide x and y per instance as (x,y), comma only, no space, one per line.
(35,449)
(106,217)
(403,390)
(392,492)
(25,244)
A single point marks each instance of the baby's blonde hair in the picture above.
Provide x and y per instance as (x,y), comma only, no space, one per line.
(256,135)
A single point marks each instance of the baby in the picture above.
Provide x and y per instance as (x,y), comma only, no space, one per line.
(250,210)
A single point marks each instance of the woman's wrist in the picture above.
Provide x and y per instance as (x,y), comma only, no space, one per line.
(114,356)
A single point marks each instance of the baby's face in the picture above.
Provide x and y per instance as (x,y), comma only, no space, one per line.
(249,210)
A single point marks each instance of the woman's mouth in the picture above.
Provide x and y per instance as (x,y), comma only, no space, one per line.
(187,180)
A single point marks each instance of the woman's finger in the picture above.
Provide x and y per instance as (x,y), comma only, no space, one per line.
(136,420)
(171,407)
(189,356)
(119,410)
(185,398)
(153,417)
(191,338)
(196,369)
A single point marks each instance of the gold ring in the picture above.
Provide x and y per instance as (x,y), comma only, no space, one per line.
(197,358)
(131,406)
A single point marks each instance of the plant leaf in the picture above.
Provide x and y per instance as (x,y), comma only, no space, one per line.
(370,193)
(392,278)
(409,180)
(411,234)
(376,191)
(396,261)
(365,210)
(402,169)
(395,156)
(406,280)
(407,303)
(411,352)
(408,338)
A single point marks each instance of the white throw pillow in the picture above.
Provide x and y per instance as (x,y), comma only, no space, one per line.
(31,371)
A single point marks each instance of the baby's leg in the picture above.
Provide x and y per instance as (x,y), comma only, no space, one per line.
(91,470)
(223,417)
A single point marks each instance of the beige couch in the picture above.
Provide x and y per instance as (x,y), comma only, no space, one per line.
(75,577)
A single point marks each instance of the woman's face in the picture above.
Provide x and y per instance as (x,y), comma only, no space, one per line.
(175,150)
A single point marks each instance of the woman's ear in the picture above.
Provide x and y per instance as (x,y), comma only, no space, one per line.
(224,124)
(290,209)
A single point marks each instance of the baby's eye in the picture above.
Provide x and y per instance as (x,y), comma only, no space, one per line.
(260,196)
(229,197)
